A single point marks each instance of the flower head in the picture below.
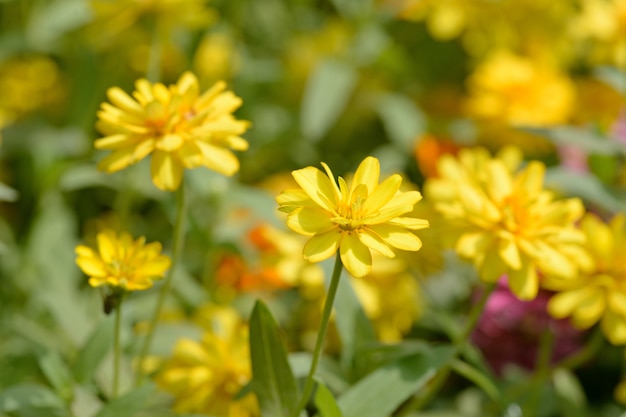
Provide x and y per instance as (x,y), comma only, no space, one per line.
(351,218)
(597,295)
(506,223)
(122,262)
(205,376)
(177,125)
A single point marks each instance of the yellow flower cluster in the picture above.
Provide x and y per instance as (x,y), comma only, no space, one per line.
(352,218)
(204,377)
(121,262)
(178,126)
(598,294)
(505,221)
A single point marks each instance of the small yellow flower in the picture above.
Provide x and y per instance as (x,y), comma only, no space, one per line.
(598,294)
(506,223)
(513,89)
(177,126)
(351,218)
(122,262)
(204,377)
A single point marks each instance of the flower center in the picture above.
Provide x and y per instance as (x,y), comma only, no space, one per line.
(350,213)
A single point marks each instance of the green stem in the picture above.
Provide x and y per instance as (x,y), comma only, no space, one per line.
(440,378)
(542,371)
(117,347)
(177,247)
(319,342)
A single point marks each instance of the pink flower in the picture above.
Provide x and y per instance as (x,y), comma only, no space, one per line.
(510,330)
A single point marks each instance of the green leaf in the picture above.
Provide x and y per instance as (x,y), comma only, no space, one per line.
(585,186)
(327,92)
(481,380)
(129,404)
(392,384)
(353,8)
(272,379)
(325,402)
(402,119)
(581,138)
(58,374)
(30,400)
(570,394)
(94,351)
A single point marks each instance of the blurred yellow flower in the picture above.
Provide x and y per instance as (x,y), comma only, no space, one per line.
(204,377)
(177,125)
(114,19)
(216,57)
(519,90)
(122,262)
(351,218)
(507,223)
(600,293)
(391,298)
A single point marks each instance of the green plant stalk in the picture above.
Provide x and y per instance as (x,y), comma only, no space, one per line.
(117,350)
(440,378)
(542,372)
(319,342)
(177,248)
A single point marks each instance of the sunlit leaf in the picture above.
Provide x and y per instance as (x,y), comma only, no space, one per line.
(129,404)
(392,384)
(325,402)
(570,394)
(402,119)
(480,379)
(58,373)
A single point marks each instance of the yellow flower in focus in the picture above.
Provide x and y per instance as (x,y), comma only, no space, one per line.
(600,293)
(122,262)
(518,90)
(204,377)
(351,218)
(177,126)
(506,222)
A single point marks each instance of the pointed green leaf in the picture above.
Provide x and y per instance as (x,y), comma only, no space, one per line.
(392,384)
(581,138)
(94,351)
(129,404)
(570,394)
(272,379)
(58,374)
(327,92)
(402,119)
(28,400)
(325,402)
(582,185)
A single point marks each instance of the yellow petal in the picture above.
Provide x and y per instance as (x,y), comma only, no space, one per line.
(553,262)
(169,142)
(409,223)
(119,98)
(218,159)
(309,221)
(397,237)
(167,171)
(508,251)
(156,267)
(115,141)
(107,242)
(355,256)
(289,200)
(524,282)
(367,174)
(614,327)
(317,186)
(471,245)
(118,160)
(564,303)
(492,268)
(382,194)
(531,178)
(91,266)
(590,310)
(321,246)
(373,241)
(499,181)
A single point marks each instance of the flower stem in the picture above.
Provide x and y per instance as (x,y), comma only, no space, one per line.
(177,247)
(319,342)
(542,372)
(117,347)
(440,378)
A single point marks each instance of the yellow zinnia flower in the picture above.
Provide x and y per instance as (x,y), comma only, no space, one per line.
(598,294)
(177,125)
(506,223)
(206,376)
(122,262)
(351,218)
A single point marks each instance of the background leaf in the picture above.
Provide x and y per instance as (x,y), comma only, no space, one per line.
(327,92)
